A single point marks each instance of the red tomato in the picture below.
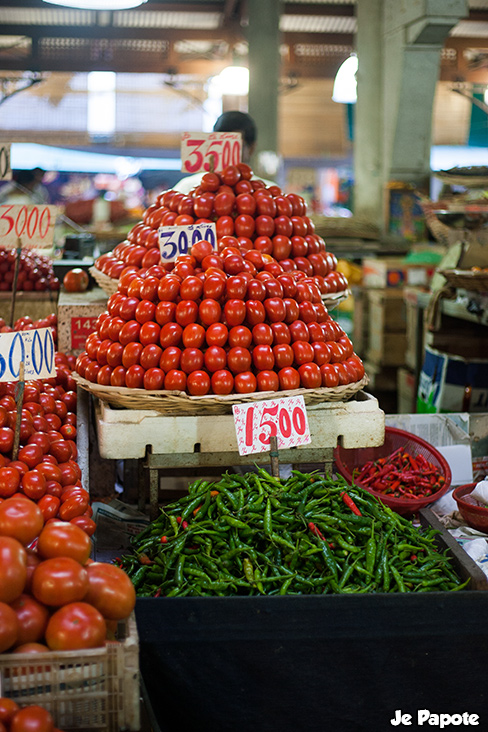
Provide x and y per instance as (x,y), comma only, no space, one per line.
(151,356)
(9,627)
(33,718)
(275,309)
(255,312)
(191,360)
(75,626)
(303,352)
(322,352)
(49,505)
(9,481)
(209,311)
(267,381)
(21,519)
(165,312)
(7,710)
(217,334)
(85,523)
(32,618)
(193,336)
(245,382)
(175,380)
(214,287)
(310,376)
(262,334)
(240,335)
(153,381)
(6,439)
(235,312)
(34,484)
(169,288)
(238,359)
(171,334)
(170,358)
(131,354)
(59,581)
(61,450)
(62,539)
(289,378)
(263,358)
(198,383)
(110,590)
(284,355)
(128,333)
(13,569)
(76,280)
(299,331)
(330,377)
(222,382)
(215,358)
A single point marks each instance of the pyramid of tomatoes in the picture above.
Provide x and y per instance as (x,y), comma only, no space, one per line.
(245,317)
(247,215)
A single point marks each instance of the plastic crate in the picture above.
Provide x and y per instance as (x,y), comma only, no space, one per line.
(91,689)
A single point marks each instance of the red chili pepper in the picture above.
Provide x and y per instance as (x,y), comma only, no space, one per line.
(316,531)
(164,540)
(184,524)
(350,503)
(179,519)
(158,592)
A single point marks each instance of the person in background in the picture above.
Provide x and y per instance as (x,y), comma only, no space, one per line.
(25,188)
(232,121)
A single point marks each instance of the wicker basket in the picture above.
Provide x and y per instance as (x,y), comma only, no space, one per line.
(94,689)
(468,280)
(180,403)
(332,299)
(340,226)
(108,284)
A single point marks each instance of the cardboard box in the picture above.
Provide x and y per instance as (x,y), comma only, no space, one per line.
(459,338)
(452,384)
(34,304)
(387,339)
(394,272)
(407,391)
(77,315)
(381,378)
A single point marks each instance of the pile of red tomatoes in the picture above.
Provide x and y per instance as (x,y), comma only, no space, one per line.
(233,322)
(45,469)
(247,215)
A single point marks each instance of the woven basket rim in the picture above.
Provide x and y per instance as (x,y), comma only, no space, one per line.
(108,284)
(164,400)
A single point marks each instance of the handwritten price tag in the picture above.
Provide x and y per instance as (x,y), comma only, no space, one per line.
(34,347)
(284,418)
(176,240)
(197,151)
(81,329)
(5,169)
(33,225)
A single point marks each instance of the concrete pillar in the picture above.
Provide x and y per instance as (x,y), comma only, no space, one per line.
(263,36)
(399,47)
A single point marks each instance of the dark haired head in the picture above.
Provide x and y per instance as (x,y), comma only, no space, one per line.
(238,122)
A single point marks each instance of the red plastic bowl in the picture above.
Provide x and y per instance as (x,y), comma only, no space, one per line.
(347,460)
(475,515)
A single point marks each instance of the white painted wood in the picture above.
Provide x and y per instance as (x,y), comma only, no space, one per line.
(123,434)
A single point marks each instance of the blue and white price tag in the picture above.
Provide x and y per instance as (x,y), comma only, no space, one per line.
(34,347)
(176,240)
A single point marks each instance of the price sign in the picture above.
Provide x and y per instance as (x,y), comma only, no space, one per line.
(257,422)
(5,169)
(35,348)
(81,329)
(32,224)
(176,240)
(198,151)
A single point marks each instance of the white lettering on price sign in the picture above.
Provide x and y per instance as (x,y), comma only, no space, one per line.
(284,418)
(198,150)
(176,240)
(32,224)
(5,169)
(34,347)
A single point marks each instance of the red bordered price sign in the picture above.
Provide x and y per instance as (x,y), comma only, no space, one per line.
(198,151)
(176,240)
(33,225)
(34,348)
(284,418)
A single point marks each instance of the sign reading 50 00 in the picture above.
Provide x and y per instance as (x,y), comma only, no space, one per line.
(35,348)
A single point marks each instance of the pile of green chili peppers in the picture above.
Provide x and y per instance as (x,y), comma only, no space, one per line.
(254,534)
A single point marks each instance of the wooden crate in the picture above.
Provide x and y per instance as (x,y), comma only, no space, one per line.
(387,339)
